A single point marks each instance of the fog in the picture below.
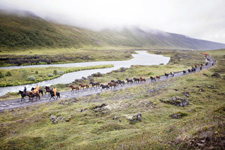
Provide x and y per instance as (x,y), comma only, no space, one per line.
(203,19)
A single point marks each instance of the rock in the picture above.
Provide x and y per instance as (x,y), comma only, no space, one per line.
(187,94)
(135,118)
(114,118)
(178,115)
(53,118)
(216,75)
(56,119)
(177,101)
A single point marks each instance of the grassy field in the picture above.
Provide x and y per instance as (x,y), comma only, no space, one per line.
(62,55)
(202,121)
(13,77)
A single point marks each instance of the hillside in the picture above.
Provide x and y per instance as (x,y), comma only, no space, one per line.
(26,30)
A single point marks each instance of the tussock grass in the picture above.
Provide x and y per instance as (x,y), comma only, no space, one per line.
(31,128)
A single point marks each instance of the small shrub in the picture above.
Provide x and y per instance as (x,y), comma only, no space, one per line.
(32,78)
(60,72)
(54,72)
(50,75)
(36,72)
(1,75)
(24,75)
(8,73)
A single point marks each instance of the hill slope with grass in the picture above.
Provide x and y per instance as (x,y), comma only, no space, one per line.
(26,30)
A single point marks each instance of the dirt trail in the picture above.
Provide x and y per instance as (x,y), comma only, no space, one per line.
(16,103)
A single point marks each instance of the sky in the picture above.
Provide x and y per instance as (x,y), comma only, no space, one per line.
(202,19)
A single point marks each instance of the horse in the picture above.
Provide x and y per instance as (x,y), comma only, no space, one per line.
(153,79)
(24,95)
(121,82)
(84,85)
(172,74)
(74,87)
(129,80)
(47,89)
(53,95)
(113,81)
(157,77)
(142,79)
(93,84)
(112,84)
(136,80)
(167,75)
(32,95)
(104,86)
(40,90)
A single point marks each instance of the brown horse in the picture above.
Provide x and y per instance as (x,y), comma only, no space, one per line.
(142,79)
(74,87)
(32,95)
(157,77)
(84,85)
(112,84)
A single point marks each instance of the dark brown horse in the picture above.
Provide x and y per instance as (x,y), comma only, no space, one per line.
(84,86)
(53,95)
(142,79)
(167,75)
(136,80)
(157,77)
(74,88)
(95,84)
(153,79)
(23,95)
(112,84)
(129,80)
(104,86)
(37,95)
(47,89)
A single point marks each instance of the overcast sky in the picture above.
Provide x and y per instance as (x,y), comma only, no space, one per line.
(203,19)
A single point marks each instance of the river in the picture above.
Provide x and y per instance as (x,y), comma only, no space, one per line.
(141,58)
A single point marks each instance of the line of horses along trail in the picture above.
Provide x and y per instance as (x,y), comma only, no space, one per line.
(17,103)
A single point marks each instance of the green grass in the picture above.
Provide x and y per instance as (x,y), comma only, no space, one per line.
(21,76)
(31,128)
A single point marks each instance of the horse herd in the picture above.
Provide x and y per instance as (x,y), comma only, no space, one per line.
(31,95)
(111,84)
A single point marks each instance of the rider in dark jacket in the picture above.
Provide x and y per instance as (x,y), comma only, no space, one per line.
(25,90)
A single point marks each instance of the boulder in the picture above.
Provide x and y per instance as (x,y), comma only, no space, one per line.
(216,75)
(178,115)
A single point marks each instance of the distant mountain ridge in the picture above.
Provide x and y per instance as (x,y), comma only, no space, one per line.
(24,29)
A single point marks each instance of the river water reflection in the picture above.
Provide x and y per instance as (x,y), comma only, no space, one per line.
(141,58)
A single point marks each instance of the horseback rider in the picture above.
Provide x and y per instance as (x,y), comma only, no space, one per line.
(54,90)
(25,91)
(35,91)
(37,88)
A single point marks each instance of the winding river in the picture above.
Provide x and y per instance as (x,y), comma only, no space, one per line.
(141,58)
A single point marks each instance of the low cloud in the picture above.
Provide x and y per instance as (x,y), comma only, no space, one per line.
(204,19)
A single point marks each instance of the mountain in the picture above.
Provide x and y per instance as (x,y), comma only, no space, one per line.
(23,29)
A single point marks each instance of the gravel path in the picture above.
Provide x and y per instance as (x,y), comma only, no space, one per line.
(16,103)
